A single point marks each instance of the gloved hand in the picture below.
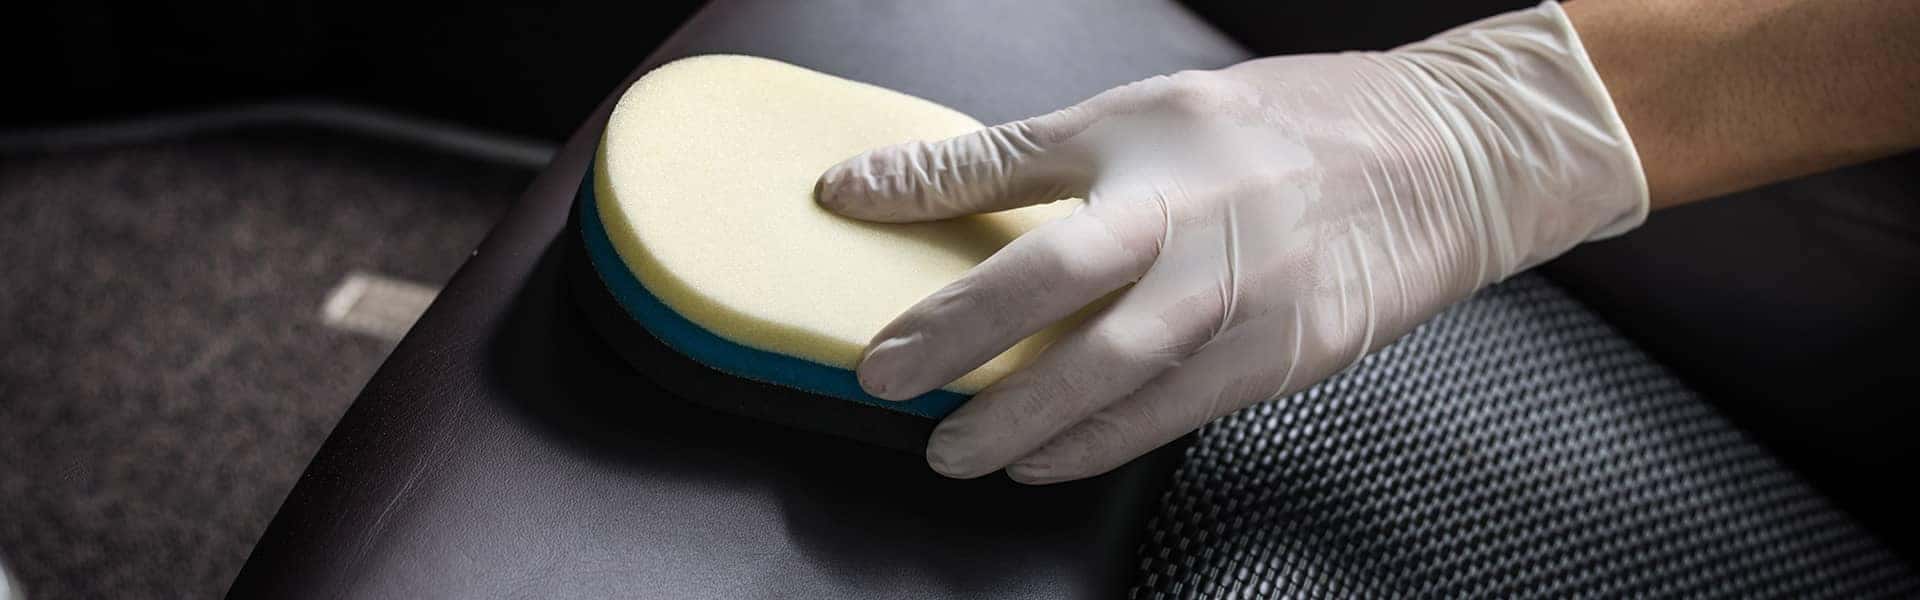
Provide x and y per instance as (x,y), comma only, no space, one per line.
(1276,220)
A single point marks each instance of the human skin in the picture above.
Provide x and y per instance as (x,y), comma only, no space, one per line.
(1722,96)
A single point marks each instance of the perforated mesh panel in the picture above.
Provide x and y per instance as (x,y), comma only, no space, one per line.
(1516,446)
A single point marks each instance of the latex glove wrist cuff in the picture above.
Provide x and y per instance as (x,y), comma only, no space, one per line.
(1543,146)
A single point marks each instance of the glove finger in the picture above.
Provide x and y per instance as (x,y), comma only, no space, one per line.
(1038,279)
(1109,357)
(1216,381)
(1006,166)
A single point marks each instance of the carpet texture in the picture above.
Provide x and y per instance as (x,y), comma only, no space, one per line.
(165,373)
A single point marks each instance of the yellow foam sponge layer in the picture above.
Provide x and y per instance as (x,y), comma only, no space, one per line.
(705,184)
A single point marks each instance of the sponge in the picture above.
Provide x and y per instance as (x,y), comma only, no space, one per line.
(699,220)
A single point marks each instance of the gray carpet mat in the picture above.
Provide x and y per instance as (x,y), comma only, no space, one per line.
(165,373)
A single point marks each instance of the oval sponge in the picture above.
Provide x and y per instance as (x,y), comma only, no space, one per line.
(703,188)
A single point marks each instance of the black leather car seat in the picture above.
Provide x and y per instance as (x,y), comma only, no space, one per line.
(1517,446)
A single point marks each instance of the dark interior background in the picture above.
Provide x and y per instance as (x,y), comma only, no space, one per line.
(530,71)
(527,69)
(1835,406)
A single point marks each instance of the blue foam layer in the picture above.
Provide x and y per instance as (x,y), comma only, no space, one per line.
(714,351)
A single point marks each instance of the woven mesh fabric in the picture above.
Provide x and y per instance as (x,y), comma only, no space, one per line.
(1516,446)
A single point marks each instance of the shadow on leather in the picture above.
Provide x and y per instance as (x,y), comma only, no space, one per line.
(856,507)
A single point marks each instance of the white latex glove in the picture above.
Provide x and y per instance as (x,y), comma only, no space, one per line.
(1276,220)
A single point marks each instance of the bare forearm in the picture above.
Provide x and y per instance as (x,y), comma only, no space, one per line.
(1725,95)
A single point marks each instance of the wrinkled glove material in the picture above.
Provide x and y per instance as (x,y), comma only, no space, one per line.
(1246,232)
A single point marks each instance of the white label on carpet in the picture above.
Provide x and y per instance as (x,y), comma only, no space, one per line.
(379,306)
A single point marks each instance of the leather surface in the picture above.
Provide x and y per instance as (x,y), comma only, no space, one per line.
(503,451)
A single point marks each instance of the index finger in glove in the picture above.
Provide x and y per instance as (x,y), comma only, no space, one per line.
(998,168)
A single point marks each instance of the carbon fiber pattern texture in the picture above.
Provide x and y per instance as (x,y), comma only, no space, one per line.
(1514,447)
